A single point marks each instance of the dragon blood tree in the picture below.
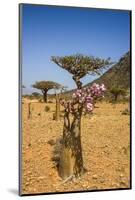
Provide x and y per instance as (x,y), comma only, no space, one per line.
(44,86)
(71,160)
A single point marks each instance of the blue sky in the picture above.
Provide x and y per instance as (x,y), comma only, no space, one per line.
(57,31)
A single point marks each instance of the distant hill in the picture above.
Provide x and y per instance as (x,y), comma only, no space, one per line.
(118,75)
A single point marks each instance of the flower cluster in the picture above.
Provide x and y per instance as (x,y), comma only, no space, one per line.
(84,98)
(97,90)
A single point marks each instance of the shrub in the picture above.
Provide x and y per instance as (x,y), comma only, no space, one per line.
(40,100)
(47,108)
(117,91)
(125,112)
(50,101)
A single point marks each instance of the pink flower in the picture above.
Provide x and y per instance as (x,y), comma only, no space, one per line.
(74,95)
(84,97)
(89,107)
(89,99)
(102,86)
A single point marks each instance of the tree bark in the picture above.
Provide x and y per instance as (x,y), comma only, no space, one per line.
(57,114)
(115,97)
(29,111)
(45,96)
(78,82)
(71,160)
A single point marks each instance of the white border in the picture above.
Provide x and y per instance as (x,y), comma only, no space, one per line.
(9,97)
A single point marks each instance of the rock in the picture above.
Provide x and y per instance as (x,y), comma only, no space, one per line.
(51,142)
(93,187)
(74,180)
(102,180)
(28,179)
(108,165)
(29,172)
(39,153)
(84,185)
(95,176)
(27,183)
(29,145)
(116,185)
(34,190)
(50,174)
(56,158)
(41,178)
(113,184)
(123,182)
(121,175)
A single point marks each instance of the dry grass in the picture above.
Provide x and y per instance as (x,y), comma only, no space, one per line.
(105,142)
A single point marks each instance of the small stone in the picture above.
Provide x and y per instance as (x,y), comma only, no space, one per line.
(51,142)
(108,165)
(93,187)
(28,172)
(123,182)
(28,178)
(102,180)
(29,144)
(50,174)
(113,184)
(34,190)
(117,185)
(26,184)
(121,175)
(41,177)
(95,176)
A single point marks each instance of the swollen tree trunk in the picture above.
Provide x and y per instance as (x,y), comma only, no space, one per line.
(71,160)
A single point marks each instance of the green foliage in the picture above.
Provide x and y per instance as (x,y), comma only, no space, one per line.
(80,65)
(36,94)
(28,96)
(47,108)
(46,85)
(118,74)
(116,91)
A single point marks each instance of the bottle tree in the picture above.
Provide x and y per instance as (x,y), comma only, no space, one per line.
(44,86)
(71,159)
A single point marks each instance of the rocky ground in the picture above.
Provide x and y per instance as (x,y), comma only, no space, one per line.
(105,143)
